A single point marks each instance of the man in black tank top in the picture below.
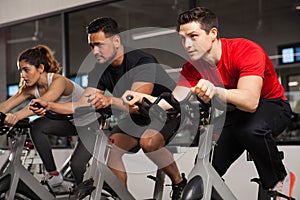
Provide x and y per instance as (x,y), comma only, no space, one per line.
(119,69)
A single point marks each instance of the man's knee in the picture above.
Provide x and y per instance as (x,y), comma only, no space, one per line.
(146,144)
(150,144)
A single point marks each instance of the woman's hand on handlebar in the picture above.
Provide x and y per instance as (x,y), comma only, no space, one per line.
(38,110)
(11,119)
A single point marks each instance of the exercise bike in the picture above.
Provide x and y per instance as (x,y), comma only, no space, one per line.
(100,176)
(100,182)
(204,182)
(16,182)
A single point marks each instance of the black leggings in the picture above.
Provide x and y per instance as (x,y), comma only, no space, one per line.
(255,133)
(41,128)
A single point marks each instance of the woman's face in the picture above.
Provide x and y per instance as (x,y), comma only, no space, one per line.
(29,73)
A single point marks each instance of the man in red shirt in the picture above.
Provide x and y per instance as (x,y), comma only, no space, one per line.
(238,72)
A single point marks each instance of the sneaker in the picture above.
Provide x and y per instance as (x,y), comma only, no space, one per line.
(177,189)
(286,186)
(53,180)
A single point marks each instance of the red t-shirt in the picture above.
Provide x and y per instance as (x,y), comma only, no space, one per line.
(240,57)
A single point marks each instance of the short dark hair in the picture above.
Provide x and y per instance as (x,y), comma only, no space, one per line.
(204,16)
(106,24)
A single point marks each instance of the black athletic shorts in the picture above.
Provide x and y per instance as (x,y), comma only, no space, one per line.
(135,125)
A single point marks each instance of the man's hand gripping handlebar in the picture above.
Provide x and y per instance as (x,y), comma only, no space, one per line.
(184,107)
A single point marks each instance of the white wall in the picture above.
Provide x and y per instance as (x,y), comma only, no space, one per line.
(14,10)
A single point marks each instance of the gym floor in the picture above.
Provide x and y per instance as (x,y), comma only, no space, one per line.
(238,176)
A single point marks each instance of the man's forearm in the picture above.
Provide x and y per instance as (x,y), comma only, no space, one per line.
(118,103)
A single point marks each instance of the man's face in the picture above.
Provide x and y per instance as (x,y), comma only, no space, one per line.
(195,40)
(103,48)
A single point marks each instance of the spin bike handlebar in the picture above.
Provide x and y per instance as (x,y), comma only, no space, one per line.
(24,123)
(78,112)
(52,115)
(146,107)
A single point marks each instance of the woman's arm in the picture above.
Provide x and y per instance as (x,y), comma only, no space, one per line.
(63,108)
(22,95)
(55,90)
(14,101)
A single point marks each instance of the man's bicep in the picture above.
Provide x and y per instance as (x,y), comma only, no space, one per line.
(253,84)
(142,87)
